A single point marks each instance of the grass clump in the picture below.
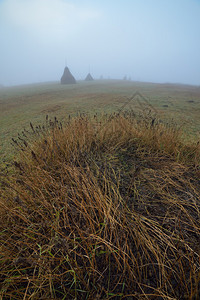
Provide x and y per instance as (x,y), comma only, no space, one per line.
(102,209)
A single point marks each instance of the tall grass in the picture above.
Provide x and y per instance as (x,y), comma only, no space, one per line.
(101,209)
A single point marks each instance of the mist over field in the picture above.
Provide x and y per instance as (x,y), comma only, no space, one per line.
(153,40)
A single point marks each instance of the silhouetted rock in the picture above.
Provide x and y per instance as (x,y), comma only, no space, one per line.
(67,77)
(89,77)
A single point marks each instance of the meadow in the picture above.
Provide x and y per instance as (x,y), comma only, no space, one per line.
(100,191)
(31,103)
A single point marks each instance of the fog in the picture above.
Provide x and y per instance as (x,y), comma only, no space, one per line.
(147,40)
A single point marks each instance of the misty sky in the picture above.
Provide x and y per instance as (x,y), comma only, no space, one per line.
(148,40)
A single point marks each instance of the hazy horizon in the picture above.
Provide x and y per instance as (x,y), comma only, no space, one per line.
(145,40)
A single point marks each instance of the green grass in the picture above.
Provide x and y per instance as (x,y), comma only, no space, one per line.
(31,103)
(101,208)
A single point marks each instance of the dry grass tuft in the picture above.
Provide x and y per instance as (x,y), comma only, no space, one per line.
(101,209)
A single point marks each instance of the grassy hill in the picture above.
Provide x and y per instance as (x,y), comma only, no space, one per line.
(101,206)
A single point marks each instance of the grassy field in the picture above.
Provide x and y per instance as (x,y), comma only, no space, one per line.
(101,208)
(103,201)
(31,103)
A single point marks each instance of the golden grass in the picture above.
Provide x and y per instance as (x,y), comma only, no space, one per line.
(101,209)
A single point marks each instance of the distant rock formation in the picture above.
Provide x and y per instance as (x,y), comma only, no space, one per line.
(67,77)
(89,77)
